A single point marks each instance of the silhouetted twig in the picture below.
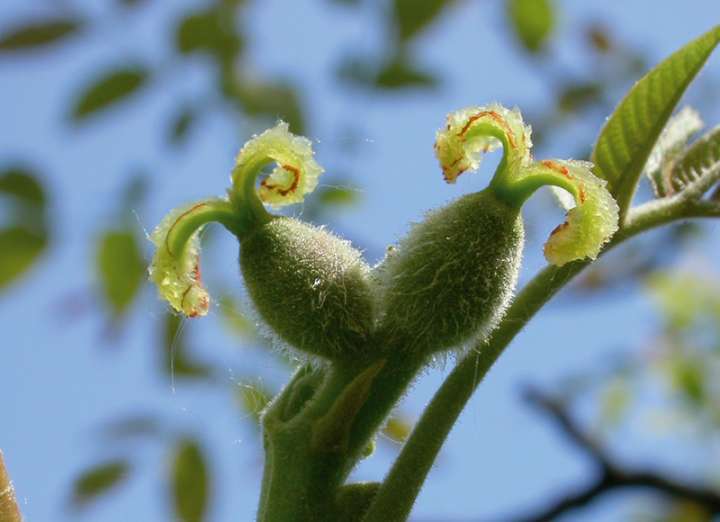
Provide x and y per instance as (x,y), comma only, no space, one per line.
(610,476)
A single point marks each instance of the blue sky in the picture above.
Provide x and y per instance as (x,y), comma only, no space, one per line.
(61,377)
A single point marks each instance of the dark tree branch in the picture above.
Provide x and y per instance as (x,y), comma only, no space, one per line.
(611,476)
(557,412)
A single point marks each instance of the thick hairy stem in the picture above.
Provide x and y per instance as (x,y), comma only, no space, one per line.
(9,511)
(404,481)
(307,451)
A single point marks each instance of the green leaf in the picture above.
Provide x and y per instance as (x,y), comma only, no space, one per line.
(108,90)
(688,377)
(337,196)
(626,140)
(121,269)
(189,479)
(181,124)
(38,34)
(208,31)
(532,21)
(394,72)
(135,426)
(401,73)
(20,250)
(576,97)
(22,185)
(273,100)
(412,16)
(98,480)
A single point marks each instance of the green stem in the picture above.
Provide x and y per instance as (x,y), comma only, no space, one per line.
(299,480)
(398,492)
(243,194)
(204,212)
(516,192)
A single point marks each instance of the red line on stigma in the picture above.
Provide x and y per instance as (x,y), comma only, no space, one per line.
(498,119)
(557,168)
(292,188)
(167,236)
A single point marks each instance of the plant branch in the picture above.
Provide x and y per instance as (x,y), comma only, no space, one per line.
(9,510)
(611,476)
(558,413)
(407,475)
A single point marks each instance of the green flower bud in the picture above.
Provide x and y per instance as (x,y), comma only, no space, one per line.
(309,286)
(452,277)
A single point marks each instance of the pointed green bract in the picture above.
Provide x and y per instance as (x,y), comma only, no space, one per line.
(669,147)
(629,135)
(700,162)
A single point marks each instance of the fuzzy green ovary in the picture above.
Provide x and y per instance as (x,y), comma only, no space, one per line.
(452,277)
(472,131)
(310,287)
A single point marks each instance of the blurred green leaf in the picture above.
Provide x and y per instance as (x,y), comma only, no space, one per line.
(132,3)
(688,377)
(396,72)
(337,196)
(109,89)
(400,73)
(209,31)
(681,298)
(120,268)
(253,398)
(273,100)
(628,136)
(178,364)
(181,124)
(190,482)
(98,480)
(22,241)
(130,427)
(532,21)
(412,16)
(576,97)
(20,250)
(22,184)
(38,34)
(614,402)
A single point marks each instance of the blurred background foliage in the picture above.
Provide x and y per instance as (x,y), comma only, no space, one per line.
(679,367)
